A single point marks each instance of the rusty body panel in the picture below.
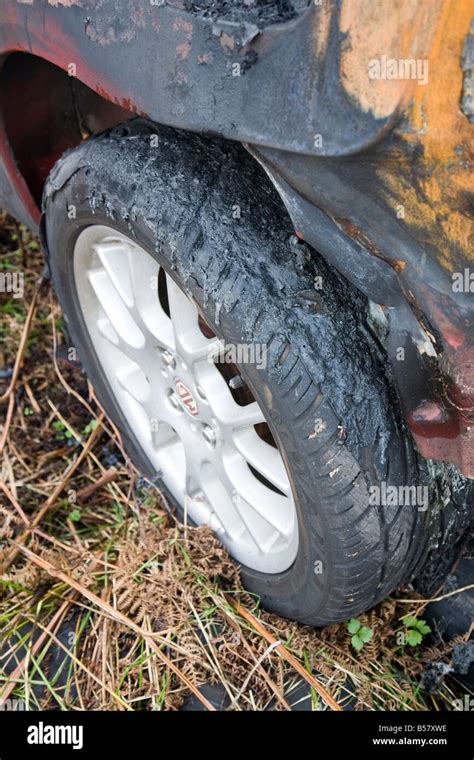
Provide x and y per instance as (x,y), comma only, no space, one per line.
(359,112)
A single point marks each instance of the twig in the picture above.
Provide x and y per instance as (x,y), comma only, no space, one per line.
(256,668)
(24,254)
(34,404)
(14,502)
(63,546)
(8,421)
(52,499)
(81,665)
(117,616)
(268,680)
(21,667)
(24,337)
(108,476)
(281,649)
(436,598)
(118,492)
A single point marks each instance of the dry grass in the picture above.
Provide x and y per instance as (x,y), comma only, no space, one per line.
(106,602)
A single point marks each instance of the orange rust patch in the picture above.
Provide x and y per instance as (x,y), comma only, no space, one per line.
(399,265)
(322,28)
(436,110)
(360,237)
(437,204)
(181,25)
(205,58)
(227,41)
(183,50)
(398,30)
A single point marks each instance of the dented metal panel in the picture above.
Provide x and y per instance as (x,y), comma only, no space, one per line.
(201,68)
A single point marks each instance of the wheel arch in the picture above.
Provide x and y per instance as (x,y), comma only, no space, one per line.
(43,113)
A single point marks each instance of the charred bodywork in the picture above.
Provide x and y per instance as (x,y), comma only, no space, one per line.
(360,113)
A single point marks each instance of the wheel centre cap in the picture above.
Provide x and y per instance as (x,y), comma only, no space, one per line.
(188,402)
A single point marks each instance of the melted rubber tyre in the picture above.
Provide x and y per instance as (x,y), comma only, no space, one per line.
(324,391)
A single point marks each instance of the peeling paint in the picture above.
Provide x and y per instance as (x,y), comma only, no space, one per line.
(181,25)
(399,30)
(227,41)
(183,50)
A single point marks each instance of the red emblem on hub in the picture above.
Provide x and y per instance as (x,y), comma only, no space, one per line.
(187,399)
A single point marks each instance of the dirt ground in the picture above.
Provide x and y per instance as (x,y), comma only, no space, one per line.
(107,603)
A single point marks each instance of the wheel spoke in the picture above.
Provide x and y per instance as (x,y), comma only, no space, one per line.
(220,501)
(162,434)
(256,529)
(134,381)
(222,403)
(189,340)
(251,414)
(192,471)
(147,306)
(270,506)
(171,461)
(113,255)
(115,308)
(263,457)
(106,329)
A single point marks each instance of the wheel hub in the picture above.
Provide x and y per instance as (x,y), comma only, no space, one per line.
(180,408)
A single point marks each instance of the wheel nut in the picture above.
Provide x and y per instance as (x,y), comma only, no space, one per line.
(236,382)
(168,359)
(209,435)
